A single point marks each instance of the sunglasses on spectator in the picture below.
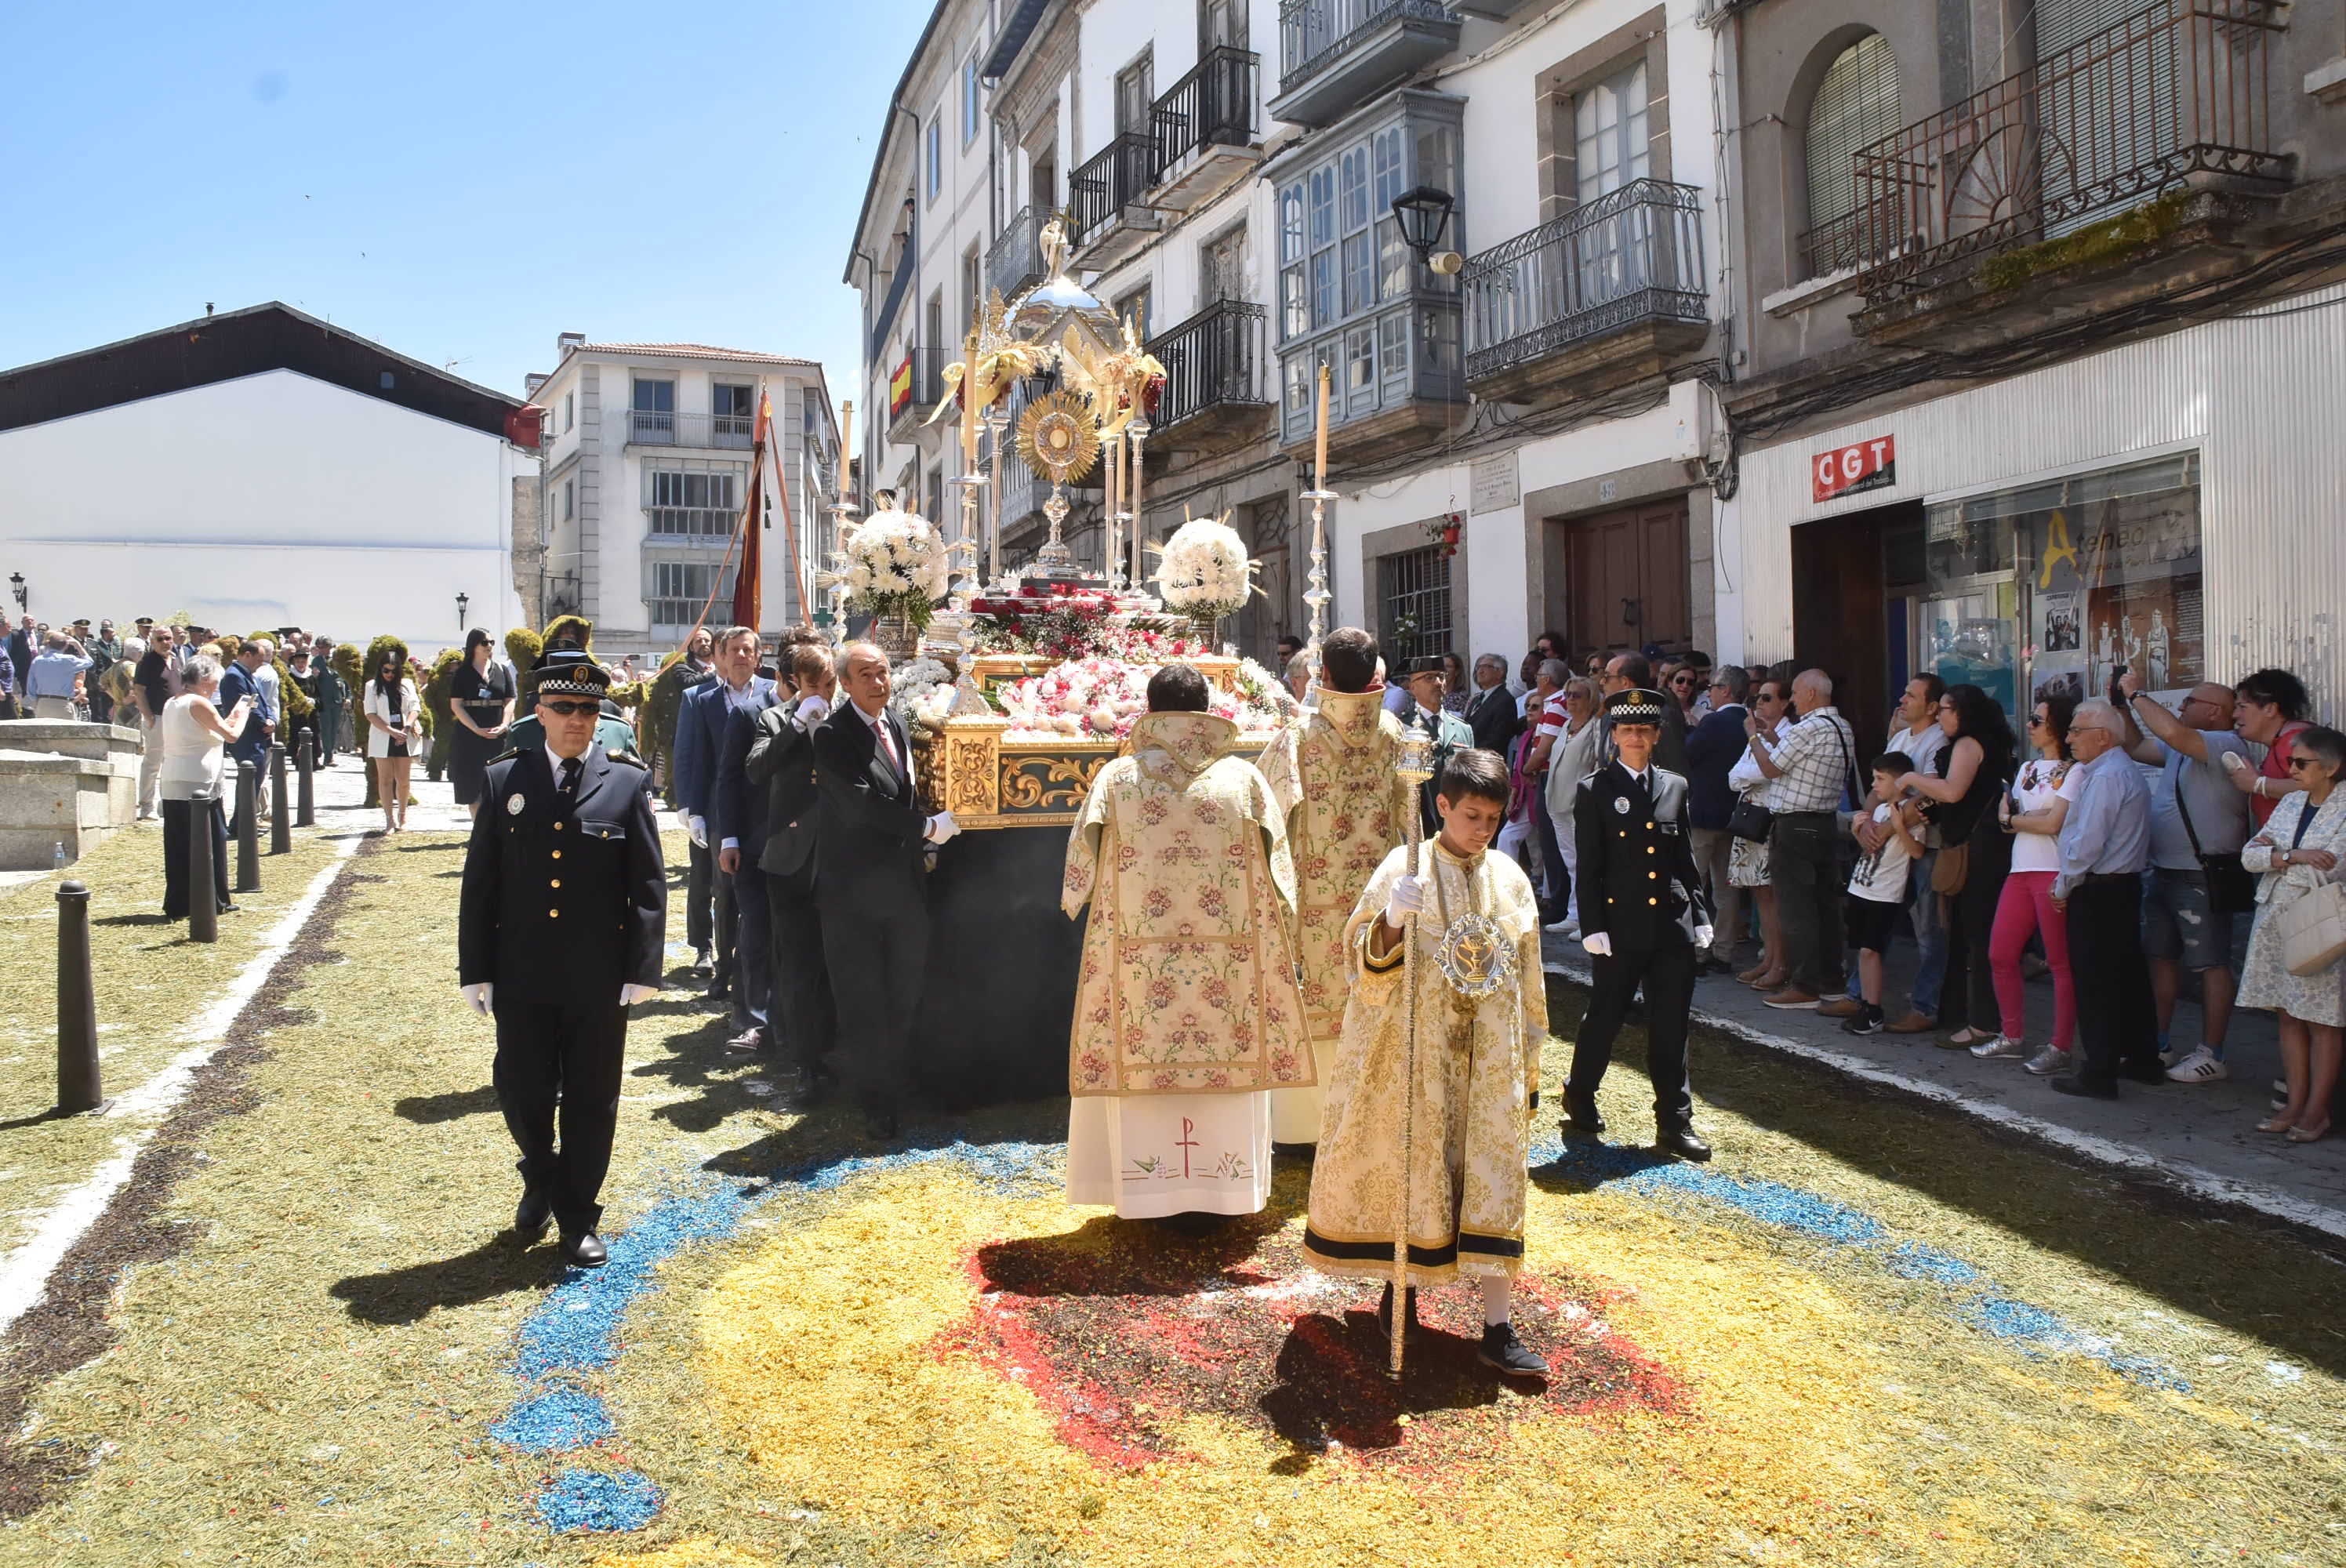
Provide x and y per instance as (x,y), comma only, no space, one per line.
(571,709)
(2036,721)
(2301,761)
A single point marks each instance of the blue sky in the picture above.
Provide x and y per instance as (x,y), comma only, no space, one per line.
(458,183)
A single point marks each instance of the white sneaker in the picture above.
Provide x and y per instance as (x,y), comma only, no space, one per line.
(1563,928)
(2051,1063)
(2198,1066)
(2003,1048)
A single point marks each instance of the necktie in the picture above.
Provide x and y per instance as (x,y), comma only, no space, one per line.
(570,766)
(888,744)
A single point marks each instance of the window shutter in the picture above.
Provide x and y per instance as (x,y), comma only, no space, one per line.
(1856,105)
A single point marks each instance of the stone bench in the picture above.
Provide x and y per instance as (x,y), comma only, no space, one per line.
(64,783)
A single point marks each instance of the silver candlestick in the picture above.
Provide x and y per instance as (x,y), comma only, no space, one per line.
(842,531)
(1316,596)
(997,418)
(964,546)
(1138,430)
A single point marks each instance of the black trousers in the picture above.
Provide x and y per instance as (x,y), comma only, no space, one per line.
(2117,1024)
(700,874)
(1557,880)
(1804,865)
(726,916)
(800,1012)
(878,960)
(179,828)
(1668,976)
(550,1052)
(1967,995)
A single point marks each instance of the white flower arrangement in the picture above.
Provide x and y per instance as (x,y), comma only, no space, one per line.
(896,567)
(922,694)
(1204,569)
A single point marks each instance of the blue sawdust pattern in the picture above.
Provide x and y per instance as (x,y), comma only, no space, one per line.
(575,1330)
(1986,1308)
(585,1499)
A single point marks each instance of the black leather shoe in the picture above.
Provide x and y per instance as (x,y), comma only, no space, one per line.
(2076,1085)
(1681,1144)
(702,967)
(1581,1120)
(584,1250)
(533,1213)
(808,1089)
(1384,1312)
(1510,1355)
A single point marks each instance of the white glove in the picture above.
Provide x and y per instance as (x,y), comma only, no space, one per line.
(631,994)
(1702,935)
(1406,899)
(942,827)
(812,708)
(480,996)
(696,829)
(1598,943)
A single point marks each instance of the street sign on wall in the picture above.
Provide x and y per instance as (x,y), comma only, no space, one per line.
(1850,470)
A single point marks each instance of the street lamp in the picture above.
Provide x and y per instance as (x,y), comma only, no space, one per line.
(462,600)
(1423,214)
(17,586)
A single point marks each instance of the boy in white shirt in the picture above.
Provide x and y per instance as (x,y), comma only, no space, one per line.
(1878,887)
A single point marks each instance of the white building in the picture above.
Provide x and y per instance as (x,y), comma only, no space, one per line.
(259,469)
(647,455)
(1227,174)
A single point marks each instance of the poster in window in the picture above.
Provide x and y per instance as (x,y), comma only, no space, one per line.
(2118,587)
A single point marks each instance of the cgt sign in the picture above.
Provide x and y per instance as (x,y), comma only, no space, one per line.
(1848,470)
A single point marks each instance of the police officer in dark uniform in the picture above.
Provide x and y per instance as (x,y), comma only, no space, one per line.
(1643,918)
(564,917)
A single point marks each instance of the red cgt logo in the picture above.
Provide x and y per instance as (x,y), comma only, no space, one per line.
(1848,469)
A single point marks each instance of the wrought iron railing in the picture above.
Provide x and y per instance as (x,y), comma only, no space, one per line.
(2178,89)
(1115,178)
(1014,263)
(1212,360)
(1632,255)
(665,427)
(1213,105)
(1315,34)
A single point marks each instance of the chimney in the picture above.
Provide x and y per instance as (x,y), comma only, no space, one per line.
(565,341)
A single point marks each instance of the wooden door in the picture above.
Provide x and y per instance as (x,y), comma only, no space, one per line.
(1626,579)
(1840,612)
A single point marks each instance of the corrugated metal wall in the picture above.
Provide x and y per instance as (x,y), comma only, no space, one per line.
(2260,395)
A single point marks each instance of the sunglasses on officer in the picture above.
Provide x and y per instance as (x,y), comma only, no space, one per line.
(571,709)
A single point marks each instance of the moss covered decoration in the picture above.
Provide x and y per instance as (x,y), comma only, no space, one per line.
(663,701)
(439,696)
(568,631)
(524,647)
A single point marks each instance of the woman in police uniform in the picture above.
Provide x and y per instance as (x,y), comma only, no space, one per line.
(1643,918)
(564,917)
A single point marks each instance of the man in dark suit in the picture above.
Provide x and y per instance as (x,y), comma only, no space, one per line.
(737,830)
(1428,679)
(700,724)
(238,681)
(780,765)
(871,844)
(1492,713)
(560,928)
(1643,918)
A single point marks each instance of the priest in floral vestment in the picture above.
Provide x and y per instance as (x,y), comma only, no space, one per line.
(1187,1010)
(1345,810)
(1469,1087)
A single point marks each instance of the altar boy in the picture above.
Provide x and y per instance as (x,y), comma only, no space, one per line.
(1467,1085)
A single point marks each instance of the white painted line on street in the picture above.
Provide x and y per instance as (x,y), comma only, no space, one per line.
(2201,1182)
(25,1273)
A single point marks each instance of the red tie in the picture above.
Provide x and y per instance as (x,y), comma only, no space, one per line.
(888,744)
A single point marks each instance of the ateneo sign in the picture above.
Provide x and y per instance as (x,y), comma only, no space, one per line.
(1847,470)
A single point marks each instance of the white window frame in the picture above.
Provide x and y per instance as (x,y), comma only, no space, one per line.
(970,116)
(932,144)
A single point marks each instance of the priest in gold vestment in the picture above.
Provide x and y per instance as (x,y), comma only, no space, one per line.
(1467,1090)
(1345,810)
(1187,1010)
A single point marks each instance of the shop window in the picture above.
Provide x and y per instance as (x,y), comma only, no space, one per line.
(2059,586)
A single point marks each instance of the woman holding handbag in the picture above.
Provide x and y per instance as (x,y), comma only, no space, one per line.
(2032,812)
(1747,830)
(1974,857)
(2299,851)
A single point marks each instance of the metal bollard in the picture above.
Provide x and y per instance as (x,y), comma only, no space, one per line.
(247,828)
(77,1085)
(203,883)
(305,762)
(280,818)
